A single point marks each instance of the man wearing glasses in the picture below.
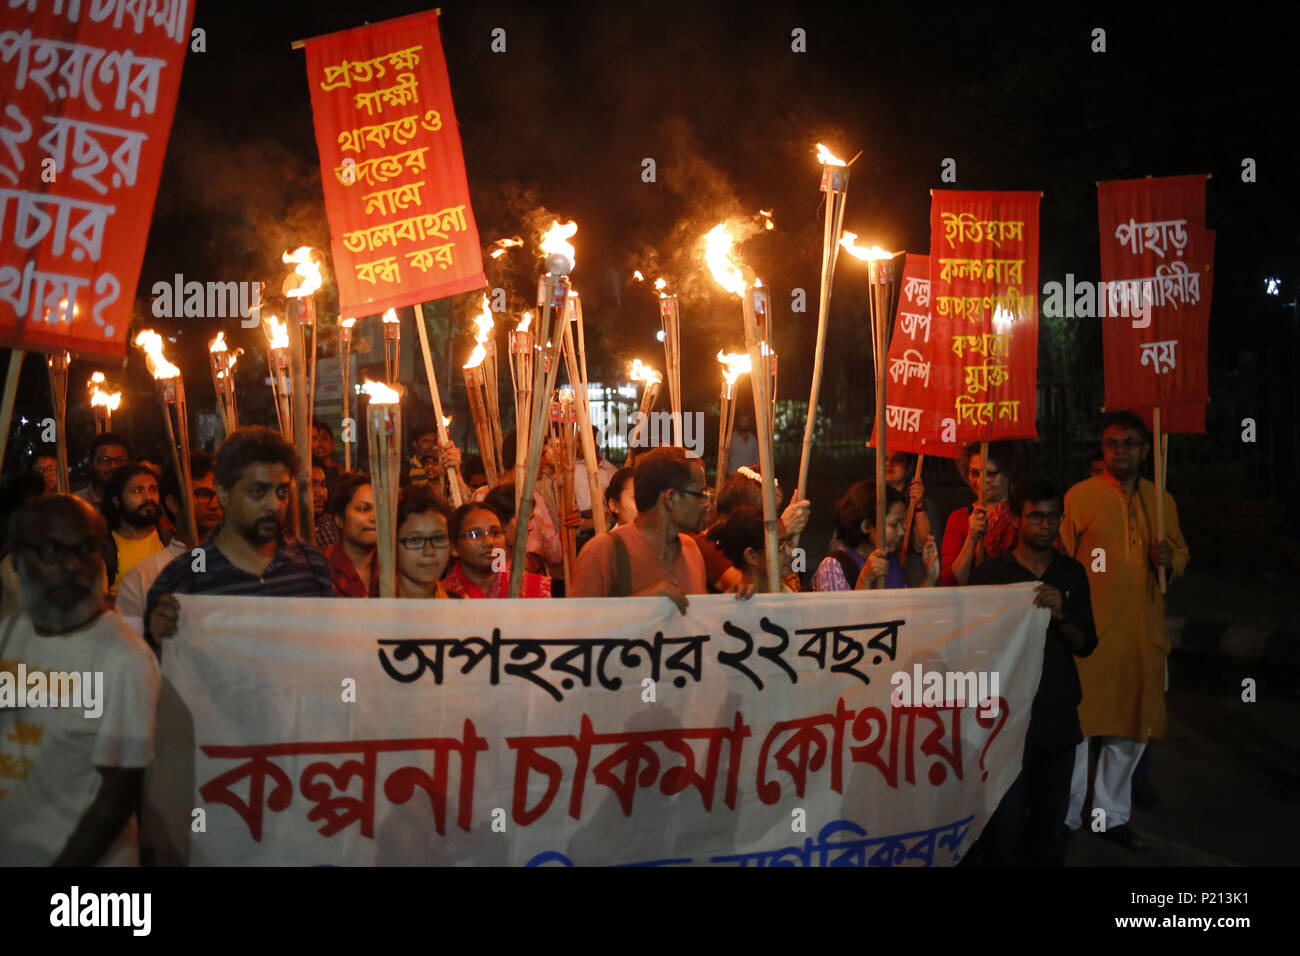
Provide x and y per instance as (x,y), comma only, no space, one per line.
(1026,829)
(1110,527)
(108,452)
(75,767)
(655,554)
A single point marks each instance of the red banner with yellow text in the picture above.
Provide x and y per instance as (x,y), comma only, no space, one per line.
(1157,258)
(914,404)
(89,93)
(401,226)
(983,285)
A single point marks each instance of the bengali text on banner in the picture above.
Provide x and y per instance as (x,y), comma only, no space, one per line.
(1156,252)
(90,89)
(769,732)
(915,405)
(983,296)
(401,227)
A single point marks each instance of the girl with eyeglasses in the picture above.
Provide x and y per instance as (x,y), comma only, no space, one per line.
(992,525)
(423,543)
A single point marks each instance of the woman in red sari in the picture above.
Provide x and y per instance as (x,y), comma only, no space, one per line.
(991,525)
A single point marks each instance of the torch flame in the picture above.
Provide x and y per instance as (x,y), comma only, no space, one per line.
(862,252)
(381,394)
(827,158)
(525,322)
(721,262)
(554,240)
(218,344)
(734,365)
(638,276)
(347,323)
(310,271)
(660,284)
(150,342)
(483,321)
(105,399)
(277,333)
(390,317)
(476,357)
(446,420)
(96,378)
(767,216)
(503,244)
(643,373)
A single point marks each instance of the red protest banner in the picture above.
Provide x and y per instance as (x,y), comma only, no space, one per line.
(1156,254)
(402,229)
(915,405)
(983,282)
(90,90)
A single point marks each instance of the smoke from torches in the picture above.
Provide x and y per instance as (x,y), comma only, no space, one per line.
(502,245)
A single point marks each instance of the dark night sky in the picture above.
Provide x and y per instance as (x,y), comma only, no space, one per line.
(713,92)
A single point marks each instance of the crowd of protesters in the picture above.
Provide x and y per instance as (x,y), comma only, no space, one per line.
(89,581)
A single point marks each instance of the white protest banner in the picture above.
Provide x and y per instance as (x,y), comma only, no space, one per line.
(597,732)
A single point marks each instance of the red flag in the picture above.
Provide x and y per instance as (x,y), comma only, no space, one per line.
(90,90)
(401,227)
(1154,243)
(915,406)
(983,282)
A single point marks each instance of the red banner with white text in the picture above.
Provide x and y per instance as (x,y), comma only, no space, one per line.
(983,287)
(89,93)
(914,404)
(401,226)
(1157,254)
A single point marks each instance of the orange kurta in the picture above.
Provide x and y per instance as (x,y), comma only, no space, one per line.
(1124,678)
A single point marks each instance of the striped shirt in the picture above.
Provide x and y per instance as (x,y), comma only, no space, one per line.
(297,570)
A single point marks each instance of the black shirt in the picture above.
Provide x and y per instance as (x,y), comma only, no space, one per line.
(1054,720)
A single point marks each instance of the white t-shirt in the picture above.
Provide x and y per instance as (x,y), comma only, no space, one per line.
(133,590)
(49,756)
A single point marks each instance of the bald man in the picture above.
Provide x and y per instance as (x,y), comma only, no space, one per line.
(74,759)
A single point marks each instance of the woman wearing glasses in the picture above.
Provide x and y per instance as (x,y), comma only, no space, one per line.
(423,543)
(991,526)
(482,570)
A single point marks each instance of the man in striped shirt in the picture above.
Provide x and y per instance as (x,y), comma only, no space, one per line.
(249,554)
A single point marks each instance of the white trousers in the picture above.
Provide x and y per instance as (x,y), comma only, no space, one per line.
(1112,787)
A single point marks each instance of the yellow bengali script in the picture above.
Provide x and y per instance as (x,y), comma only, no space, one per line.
(1002,271)
(381,168)
(965,227)
(398,132)
(364,71)
(405,91)
(974,307)
(389,269)
(414,229)
(975,412)
(986,344)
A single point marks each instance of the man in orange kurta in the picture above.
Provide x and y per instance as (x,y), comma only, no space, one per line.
(1110,528)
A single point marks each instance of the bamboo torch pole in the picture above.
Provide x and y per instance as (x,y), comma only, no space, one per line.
(756,308)
(1160,491)
(384,438)
(453,479)
(835,183)
(555,289)
(345,372)
(10,396)
(582,414)
(475,382)
(521,375)
(58,368)
(911,509)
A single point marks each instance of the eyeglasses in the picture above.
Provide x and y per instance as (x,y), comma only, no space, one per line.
(114,460)
(204,494)
(975,474)
(54,552)
(416,542)
(475,533)
(1043,517)
(1115,444)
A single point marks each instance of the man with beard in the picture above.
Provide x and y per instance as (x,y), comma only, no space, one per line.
(248,554)
(108,452)
(78,763)
(132,507)
(207,515)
